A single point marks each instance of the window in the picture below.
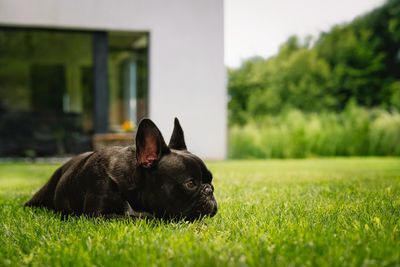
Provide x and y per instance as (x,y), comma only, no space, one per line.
(128,71)
(47,88)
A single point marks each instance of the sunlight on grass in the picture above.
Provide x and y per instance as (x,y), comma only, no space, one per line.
(325,212)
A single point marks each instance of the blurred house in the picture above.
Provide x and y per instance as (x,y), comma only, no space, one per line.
(76,71)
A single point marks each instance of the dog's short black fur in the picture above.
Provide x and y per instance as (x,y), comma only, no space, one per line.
(152,178)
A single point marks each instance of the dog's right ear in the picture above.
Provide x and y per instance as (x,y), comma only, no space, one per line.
(150,144)
(177,140)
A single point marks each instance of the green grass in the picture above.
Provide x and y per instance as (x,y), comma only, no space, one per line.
(314,212)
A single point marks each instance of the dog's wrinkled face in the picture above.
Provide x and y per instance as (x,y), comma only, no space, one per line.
(183,187)
(177,184)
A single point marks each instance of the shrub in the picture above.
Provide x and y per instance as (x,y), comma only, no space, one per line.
(354,132)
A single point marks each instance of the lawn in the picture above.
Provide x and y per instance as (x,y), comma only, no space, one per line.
(314,212)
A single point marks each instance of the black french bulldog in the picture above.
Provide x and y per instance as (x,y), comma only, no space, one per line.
(150,180)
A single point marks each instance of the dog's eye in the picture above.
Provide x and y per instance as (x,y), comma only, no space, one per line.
(190,184)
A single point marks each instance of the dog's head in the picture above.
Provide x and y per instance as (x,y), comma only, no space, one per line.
(174,182)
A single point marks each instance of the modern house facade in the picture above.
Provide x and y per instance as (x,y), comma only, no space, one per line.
(71,71)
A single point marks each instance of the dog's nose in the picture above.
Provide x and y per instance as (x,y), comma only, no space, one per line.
(208,190)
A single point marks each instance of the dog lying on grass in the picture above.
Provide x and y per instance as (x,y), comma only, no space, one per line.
(150,179)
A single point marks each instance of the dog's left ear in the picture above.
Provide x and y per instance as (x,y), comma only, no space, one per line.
(177,139)
(150,144)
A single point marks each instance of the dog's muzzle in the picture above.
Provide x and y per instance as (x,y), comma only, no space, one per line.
(207,205)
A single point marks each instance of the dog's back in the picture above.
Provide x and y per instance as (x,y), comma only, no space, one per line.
(45,196)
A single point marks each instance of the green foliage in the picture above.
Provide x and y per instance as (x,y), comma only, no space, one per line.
(329,212)
(395,94)
(295,134)
(357,65)
(240,88)
(357,62)
(305,101)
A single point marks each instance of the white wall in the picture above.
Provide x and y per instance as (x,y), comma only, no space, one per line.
(187,73)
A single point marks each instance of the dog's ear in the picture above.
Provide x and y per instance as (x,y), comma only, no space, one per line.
(150,144)
(177,139)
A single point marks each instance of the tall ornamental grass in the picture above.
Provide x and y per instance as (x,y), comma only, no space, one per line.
(294,134)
